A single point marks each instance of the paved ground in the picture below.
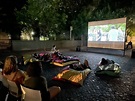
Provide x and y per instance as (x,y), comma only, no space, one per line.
(94,88)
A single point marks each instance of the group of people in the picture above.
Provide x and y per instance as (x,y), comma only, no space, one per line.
(54,53)
(32,78)
(80,66)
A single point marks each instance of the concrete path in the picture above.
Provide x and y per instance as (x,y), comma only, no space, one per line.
(94,88)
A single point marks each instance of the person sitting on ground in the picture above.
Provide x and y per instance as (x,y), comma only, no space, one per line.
(129,44)
(38,82)
(106,61)
(53,50)
(80,66)
(55,54)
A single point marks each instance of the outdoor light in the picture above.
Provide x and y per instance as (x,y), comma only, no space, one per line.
(32,33)
(9,36)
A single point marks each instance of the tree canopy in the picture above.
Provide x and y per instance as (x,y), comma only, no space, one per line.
(54,17)
(42,16)
(8,21)
(104,10)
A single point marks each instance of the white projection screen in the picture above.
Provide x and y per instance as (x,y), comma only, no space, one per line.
(107,33)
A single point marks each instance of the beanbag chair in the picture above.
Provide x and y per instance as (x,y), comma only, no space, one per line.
(110,70)
(73,76)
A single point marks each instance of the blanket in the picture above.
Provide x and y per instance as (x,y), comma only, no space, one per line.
(73,76)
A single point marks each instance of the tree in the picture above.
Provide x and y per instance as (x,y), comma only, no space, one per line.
(117,9)
(8,21)
(104,10)
(72,8)
(42,16)
(53,17)
(81,22)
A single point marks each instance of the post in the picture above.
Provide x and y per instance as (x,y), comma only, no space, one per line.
(71,28)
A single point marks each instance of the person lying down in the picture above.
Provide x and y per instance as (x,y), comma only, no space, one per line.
(80,66)
(106,61)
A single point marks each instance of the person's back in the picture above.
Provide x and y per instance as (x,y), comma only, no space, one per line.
(17,76)
(38,82)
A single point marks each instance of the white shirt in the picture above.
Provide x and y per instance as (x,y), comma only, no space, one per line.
(113,35)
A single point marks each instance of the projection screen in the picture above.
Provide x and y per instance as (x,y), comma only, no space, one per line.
(107,33)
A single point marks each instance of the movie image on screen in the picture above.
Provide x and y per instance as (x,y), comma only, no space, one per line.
(112,32)
(107,34)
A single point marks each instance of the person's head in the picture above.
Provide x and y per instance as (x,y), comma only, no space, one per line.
(113,27)
(54,46)
(10,65)
(34,69)
(103,61)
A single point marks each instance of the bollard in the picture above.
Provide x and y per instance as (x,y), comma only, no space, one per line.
(133,53)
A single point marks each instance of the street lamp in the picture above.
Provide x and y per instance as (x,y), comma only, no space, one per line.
(71,28)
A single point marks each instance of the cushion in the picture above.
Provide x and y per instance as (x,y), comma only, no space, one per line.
(73,76)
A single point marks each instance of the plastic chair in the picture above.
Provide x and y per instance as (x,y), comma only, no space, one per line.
(4,81)
(30,94)
(4,88)
(0,74)
(14,90)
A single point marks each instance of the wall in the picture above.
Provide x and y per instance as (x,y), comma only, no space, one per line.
(5,41)
(47,45)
